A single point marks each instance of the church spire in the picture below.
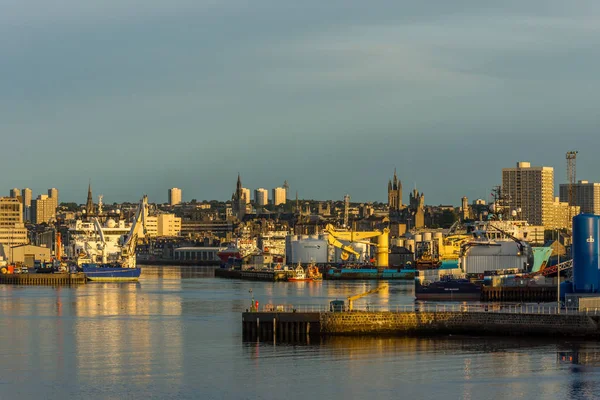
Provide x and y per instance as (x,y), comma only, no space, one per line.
(89,205)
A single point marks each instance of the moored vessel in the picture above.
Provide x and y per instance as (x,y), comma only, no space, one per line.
(110,273)
(299,275)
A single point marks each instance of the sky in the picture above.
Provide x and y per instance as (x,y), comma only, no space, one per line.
(142,95)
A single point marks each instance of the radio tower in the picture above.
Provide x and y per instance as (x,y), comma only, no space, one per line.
(571,175)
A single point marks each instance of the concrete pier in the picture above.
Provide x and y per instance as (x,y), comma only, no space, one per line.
(43,279)
(254,275)
(282,326)
(520,294)
(290,325)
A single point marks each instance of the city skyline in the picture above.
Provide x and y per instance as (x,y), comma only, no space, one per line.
(488,196)
(329,96)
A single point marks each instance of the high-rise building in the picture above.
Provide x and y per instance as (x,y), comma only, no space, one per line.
(261,197)
(26,200)
(561,215)
(530,189)
(246,195)
(278,196)
(174,196)
(26,195)
(43,209)
(163,225)
(12,229)
(586,195)
(53,194)
(15,193)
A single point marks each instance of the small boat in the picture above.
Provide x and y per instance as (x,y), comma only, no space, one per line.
(110,273)
(299,275)
(313,272)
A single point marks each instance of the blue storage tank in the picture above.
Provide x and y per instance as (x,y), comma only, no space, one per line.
(585,253)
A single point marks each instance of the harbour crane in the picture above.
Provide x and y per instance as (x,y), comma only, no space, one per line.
(138,230)
(346,250)
(381,246)
(338,305)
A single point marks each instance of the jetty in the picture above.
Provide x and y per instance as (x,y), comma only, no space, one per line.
(55,279)
(502,320)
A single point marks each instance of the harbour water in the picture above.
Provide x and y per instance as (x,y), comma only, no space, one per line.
(176,334)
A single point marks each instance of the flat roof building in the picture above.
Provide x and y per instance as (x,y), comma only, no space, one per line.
(12,229)
(586,195)
(530,189)
(261,197)
(278,196)
(43,209)
(174,196)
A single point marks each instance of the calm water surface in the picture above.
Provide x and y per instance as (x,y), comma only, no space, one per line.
(177,334)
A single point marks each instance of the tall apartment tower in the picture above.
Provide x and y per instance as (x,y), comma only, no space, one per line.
(532,190)
(261,197)
(12,229)
(586,195)
(15,193)
(26,200)
(278,196)
(174,196)
(246,195)
(53,194)
(26,195)
(43,209)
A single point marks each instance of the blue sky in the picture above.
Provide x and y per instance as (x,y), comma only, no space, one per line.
(143,95)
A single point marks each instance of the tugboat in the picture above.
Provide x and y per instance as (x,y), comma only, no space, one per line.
(313,272)
(299,275)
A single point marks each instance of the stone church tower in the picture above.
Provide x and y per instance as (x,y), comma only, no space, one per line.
(238,200)
(394,194)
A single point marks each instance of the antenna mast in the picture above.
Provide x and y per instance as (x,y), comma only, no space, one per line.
(571,176)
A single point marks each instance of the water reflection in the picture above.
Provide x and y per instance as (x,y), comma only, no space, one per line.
(177,334)
(171,272)
(118,326)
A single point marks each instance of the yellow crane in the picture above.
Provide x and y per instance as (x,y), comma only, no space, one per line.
(382,246)
(338,305)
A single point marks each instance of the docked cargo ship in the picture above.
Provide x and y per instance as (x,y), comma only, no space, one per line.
(124,268)
(110,273)
(448,289)
(453,285)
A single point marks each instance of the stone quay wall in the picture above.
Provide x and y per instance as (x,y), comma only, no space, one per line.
(484,323)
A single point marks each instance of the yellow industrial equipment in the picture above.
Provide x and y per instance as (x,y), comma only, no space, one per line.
(346,250)
(357,236)
(358,296)
(450,246)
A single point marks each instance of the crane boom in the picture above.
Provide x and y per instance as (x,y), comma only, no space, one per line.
(345,249)
(138,229)
(359,236)
(358,296)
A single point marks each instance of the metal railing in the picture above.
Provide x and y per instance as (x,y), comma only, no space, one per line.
(547,309)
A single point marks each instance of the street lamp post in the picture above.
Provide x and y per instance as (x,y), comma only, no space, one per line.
(558,271)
